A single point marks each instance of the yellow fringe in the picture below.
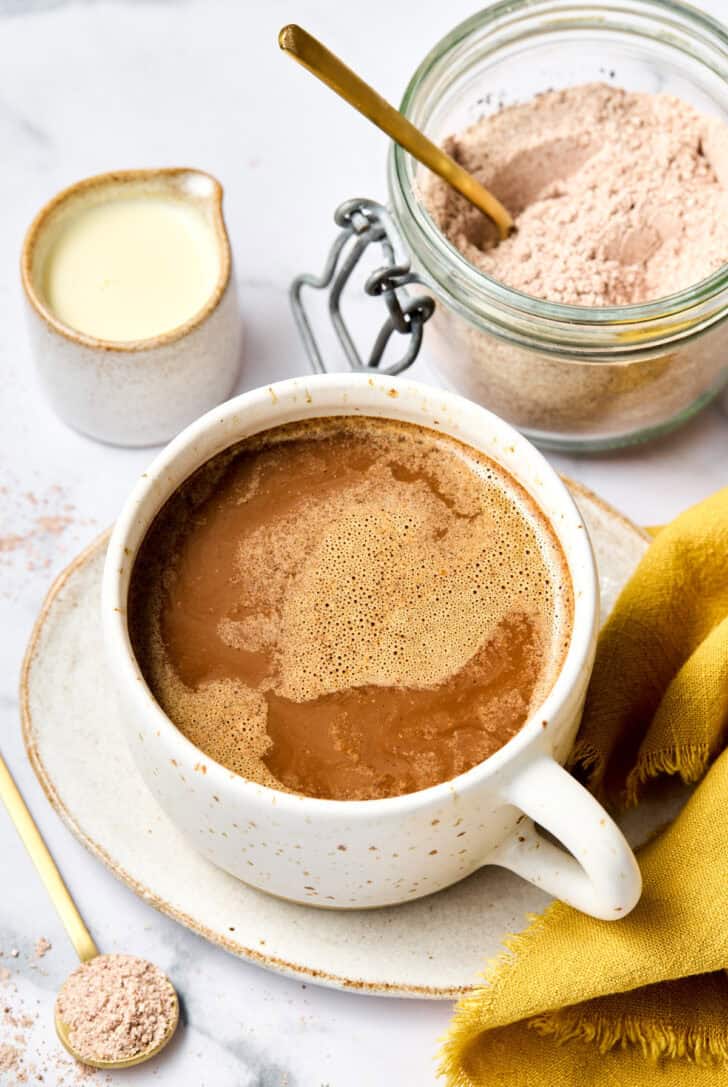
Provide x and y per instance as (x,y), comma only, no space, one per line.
(689,762)
(656,1041)
(588,759)
(471,1011)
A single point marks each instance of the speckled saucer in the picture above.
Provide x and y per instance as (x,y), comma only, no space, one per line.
(434,947)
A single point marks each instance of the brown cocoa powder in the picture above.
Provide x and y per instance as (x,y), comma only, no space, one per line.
(618,197)
(42,947)
(116,1007)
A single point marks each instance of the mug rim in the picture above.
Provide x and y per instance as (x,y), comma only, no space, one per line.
(120,560)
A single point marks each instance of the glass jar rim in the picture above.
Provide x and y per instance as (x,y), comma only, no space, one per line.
(707,291)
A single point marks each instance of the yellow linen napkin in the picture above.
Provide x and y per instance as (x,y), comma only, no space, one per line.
(644,1000)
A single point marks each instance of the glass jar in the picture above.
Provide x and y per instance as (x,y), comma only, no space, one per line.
(570,377)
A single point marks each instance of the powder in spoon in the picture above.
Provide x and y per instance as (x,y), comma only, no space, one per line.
(116,1007)
(619,197)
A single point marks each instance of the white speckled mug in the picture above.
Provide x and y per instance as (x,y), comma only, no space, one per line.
(137,392)
(353,854)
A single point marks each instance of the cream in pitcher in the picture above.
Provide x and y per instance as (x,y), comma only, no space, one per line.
(133,312)
(131,268)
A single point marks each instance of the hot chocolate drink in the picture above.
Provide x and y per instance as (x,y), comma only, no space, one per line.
(350,608)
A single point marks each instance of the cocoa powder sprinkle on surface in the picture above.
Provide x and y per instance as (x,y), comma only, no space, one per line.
(116,1007)
(42,947)
(9,1058)
(26,1058)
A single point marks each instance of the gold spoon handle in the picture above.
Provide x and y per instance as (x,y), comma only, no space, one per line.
(60,897)
(310,52)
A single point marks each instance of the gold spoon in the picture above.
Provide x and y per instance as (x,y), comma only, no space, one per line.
(59,894)
(310,52)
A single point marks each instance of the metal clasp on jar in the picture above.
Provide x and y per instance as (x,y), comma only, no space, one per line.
(361,223)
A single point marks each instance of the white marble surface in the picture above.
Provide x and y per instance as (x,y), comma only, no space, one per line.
(86,87)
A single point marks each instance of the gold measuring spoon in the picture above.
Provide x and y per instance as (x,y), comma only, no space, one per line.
(73,923)
(310,52)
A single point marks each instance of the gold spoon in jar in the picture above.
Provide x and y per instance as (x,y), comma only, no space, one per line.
(310,52)
(73,923)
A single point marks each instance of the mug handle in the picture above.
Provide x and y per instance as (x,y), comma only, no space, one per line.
(599,875)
